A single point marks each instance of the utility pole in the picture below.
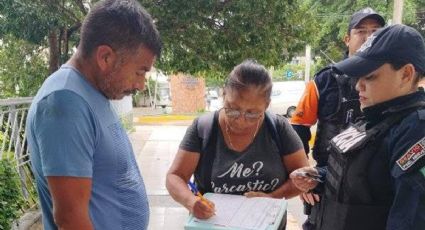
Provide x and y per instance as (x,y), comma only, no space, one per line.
(307,63)
(398,12)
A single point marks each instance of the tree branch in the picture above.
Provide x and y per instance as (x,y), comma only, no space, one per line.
(56,4)
(81,6)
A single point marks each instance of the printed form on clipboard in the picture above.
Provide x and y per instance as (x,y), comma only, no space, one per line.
(240,212)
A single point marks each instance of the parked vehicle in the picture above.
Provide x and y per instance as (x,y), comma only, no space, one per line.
(214,102)
(285,97)
(164,94)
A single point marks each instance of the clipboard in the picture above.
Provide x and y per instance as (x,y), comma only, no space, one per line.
(280,220)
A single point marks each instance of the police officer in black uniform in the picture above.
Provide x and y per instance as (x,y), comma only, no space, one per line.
(376,170)
(331,100)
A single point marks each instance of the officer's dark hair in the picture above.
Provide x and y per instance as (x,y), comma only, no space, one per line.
(123,25)
(249,74)
(398,64)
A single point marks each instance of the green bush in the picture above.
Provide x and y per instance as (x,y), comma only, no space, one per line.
(11,200)
(127,122)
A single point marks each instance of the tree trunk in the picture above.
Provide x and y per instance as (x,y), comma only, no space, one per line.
(65,45)
(54,52)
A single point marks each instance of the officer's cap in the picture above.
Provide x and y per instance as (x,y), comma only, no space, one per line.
(393,44)
(358,16)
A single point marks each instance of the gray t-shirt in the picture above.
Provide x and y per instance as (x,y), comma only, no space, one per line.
(257,168)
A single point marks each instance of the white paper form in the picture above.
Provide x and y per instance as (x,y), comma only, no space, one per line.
(242,212)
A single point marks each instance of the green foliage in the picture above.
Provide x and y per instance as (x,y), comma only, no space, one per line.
(208,38)
(48,24)
(150,85)
(11,201)
(33,20)
(329,21)
(280,73)
(23,68)
(127,122)
(204,37)
(414,15)
(201,111)
(213,78)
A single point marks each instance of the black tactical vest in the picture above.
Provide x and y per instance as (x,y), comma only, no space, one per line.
(348,202)
(347,110)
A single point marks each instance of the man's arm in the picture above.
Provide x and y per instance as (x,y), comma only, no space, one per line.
(70,196)
(65,133)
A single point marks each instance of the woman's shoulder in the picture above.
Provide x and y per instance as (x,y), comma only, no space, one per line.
(205,123)
(406,142)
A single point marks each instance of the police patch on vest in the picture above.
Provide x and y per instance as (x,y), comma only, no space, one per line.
(347,139)
(412,155)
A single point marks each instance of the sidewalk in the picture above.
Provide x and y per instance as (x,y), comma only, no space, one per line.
(155,147)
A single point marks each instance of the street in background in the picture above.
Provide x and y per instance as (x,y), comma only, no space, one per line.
(285,97)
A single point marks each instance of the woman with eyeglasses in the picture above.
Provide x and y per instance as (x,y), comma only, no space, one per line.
(240,149)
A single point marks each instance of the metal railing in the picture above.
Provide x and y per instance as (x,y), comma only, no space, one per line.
(13,113)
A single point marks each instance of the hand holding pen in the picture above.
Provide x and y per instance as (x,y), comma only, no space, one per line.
(202,208)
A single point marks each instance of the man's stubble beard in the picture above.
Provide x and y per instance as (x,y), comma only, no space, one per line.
(106,85)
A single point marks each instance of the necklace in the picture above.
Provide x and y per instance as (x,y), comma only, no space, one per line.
(230,139)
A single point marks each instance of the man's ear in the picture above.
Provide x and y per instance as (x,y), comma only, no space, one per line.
(347,39)
(105,57)
(408,72)
(267,104)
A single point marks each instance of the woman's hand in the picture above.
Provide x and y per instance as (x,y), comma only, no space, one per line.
(302,181)
(310,198)
(202,208)
(257,194)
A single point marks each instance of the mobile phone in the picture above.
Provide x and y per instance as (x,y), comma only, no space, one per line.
(314,177)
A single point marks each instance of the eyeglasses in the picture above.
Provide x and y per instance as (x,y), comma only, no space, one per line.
(249,116)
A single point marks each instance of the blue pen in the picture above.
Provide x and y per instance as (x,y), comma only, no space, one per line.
(197,193)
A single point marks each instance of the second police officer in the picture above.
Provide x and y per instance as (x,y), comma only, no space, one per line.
(376,169)
(331,101)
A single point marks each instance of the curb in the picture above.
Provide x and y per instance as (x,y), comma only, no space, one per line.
(30,220)
(163,119)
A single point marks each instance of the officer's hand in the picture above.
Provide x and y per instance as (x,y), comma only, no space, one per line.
(310,198)
(302,180)
(202,208)
(256,194)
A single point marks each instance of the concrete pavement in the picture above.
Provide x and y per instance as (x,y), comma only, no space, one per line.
(155,147)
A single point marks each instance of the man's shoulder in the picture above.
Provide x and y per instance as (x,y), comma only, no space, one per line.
(57,81)
(323,74)
(70,79)
(325,80)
